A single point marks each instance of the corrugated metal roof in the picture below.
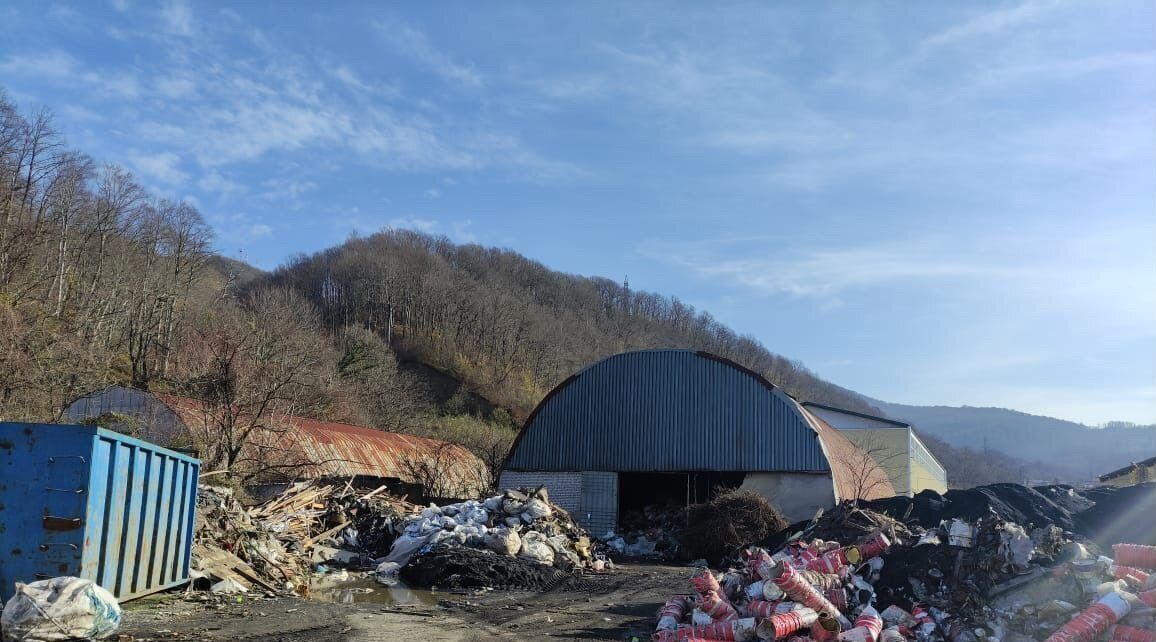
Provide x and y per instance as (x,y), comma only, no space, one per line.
(667,410)
(345,450)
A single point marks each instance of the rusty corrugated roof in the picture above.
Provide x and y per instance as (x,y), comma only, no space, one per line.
(854,471)
(345,450)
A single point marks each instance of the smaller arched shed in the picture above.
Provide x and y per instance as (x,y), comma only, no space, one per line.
(669,426)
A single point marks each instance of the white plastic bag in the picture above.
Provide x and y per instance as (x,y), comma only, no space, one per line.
(62,608)
(535,547)
(536,509)
(504,541)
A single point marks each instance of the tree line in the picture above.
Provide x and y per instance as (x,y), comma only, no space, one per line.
(102,282)
(508,326)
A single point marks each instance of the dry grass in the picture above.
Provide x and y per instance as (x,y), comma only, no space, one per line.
(730,520)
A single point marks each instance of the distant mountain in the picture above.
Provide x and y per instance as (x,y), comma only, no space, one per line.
(1074,450)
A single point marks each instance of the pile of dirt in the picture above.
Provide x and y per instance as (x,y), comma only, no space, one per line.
(1122,514)
(1010,502)
(461,567)
(1104,515)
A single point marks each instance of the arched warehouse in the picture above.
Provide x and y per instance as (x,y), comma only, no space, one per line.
(658,426)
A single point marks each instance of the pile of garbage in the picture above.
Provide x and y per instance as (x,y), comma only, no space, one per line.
(649,532)
(856,575)
(277,546)
(319,527)
(516,526)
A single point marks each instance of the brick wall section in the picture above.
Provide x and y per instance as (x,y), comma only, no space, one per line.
(565,488)
(591,498)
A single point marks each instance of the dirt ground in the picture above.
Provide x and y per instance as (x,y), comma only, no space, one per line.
(618,606)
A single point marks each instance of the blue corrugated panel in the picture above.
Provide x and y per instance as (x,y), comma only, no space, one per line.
(667,410)
(88,502)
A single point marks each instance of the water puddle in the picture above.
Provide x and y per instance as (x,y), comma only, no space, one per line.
(366,590)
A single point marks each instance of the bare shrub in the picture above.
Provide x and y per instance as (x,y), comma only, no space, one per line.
(730,520)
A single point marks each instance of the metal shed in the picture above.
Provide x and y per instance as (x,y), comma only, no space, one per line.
(658,420)
(92,503)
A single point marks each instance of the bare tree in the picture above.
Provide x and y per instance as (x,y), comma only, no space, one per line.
(866,465)
(249,366)
(446,470)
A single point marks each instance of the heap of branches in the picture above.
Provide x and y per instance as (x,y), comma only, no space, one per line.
(732,519)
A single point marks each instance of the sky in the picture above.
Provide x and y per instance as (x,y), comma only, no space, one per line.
(927,203)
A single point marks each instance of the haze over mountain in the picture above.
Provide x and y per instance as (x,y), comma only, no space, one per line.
(1072,451)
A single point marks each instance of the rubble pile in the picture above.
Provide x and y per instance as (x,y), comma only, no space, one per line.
(488,543)
(649,532)
(857,575)
(276,546)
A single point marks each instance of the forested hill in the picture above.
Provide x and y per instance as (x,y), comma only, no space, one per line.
(508,326)
(1072,450)
(102,282)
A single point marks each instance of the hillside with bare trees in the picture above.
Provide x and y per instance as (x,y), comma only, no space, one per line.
(102,282)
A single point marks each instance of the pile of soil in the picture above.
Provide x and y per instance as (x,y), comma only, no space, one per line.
(472,568)
(1009,502)
(1105,515)
(1120,515)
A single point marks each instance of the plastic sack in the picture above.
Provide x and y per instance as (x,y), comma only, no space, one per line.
(504,541)
(62,608)
(537,509)
(535,547)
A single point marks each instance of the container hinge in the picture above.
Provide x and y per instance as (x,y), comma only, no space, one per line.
(44,546)
(52,460)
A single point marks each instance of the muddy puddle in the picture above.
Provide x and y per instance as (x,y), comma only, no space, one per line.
(366,590)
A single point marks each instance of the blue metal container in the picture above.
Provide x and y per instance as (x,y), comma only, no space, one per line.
(92,503)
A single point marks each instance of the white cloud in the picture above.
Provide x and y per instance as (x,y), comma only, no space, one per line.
(260,230)
(173,87)
(413,223)
(121,5)
(177,17)
(163,166)
(413,43)
(433,193)
(987,24)
(217,184)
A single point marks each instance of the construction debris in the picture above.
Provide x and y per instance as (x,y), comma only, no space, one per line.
(276,547)
(853,574)
(318,527)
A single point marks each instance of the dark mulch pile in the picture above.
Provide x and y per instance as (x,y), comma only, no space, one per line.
(470,568)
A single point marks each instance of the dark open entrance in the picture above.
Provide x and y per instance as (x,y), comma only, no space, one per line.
(667,491)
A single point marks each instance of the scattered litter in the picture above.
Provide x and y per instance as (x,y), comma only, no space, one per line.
(854,574)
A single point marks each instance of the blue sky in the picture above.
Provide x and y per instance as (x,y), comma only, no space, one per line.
(932,203)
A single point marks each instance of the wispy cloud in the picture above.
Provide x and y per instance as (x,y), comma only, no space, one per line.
(987,24)
(412,42)
(164,167)
(414,223)
(177,17)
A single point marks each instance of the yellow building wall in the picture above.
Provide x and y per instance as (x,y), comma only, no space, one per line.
(1136,476)
(889,449)
(924,479)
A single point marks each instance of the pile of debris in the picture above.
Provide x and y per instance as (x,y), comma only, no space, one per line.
(505,530)
(276,547)
(856,575)
(649,532)
(318,526)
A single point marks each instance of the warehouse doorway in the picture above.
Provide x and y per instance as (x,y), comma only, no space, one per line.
(640,494)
